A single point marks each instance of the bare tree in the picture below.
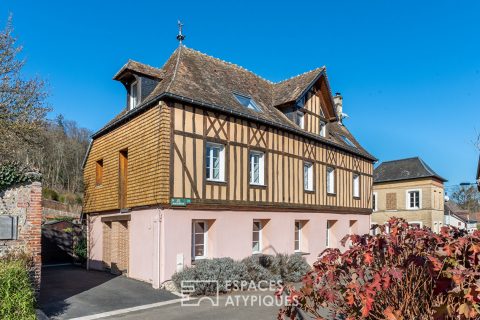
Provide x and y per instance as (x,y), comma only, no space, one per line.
(467,198)
(23,106)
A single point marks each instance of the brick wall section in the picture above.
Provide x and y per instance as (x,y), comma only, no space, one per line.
(25,202)
(54,209)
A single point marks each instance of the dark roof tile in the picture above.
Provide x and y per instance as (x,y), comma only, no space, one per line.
(404,169)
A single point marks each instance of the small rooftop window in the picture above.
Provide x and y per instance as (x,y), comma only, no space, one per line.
(347,141)
(247,102)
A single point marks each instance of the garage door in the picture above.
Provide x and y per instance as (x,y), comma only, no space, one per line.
(116,246)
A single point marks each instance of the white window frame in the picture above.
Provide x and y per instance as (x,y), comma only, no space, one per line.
(323,129)
(330,180)
(300,227)
(205,240)
(133,103)
(356,185)
(308,176)
(260,231)
(329,231)
(375,201)
(301,119)
(261,168)
(407,199)
(221,153)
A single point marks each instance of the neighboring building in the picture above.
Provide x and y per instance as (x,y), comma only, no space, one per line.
(459,218)
(408,189)
(210,160)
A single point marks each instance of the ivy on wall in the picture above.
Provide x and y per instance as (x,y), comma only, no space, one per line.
(12,173)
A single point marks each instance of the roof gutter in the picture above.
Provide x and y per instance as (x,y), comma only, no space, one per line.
(142,107)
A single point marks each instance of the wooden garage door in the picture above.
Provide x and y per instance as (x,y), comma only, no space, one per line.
(115,246)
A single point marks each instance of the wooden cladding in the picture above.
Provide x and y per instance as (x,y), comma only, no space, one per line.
(147,138)
(284,158)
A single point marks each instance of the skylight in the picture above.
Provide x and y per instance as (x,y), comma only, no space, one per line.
(247,102)
(347,141)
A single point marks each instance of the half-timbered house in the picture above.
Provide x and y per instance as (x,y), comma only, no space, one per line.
(210,160)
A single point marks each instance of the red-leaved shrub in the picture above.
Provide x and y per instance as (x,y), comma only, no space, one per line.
(403,272)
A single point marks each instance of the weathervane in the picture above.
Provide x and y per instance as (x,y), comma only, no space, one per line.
(180,36)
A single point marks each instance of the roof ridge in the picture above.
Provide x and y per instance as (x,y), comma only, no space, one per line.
(230,64)
(301,74)
(143,64)
(403,159)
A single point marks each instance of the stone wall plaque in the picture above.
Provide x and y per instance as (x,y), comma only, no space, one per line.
(8,227)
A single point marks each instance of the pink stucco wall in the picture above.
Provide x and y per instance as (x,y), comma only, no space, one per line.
(160,240)
(230,233)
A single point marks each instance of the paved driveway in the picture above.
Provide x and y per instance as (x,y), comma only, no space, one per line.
(69,292)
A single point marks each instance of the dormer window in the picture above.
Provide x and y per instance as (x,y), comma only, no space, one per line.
(323,129)
(247,102)
(133,95)
(299,120)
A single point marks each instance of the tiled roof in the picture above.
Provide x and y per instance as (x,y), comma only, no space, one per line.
(291,89)
(139,68)
(404,169)
(195,77)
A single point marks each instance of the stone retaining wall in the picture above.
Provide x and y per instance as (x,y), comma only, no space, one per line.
(25,202)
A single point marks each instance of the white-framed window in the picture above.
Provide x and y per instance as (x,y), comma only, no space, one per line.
(298,236)
(215,162)
(414,199)
(300,121)
(356,185)
(375,201)
(308,176)
(323,129)
(257,236)
(257,168)
(199,239)
(329,235)
(133,95)
(330,180)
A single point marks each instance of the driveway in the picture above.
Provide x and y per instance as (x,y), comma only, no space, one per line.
(69,292)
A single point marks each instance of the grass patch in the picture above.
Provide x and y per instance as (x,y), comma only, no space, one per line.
(17,296)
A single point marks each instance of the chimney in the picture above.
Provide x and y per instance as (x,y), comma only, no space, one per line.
(338,102)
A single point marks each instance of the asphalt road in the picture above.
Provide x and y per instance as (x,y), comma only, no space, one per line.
(236,306)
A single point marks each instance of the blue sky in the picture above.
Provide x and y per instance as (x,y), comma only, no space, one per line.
(409,71)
